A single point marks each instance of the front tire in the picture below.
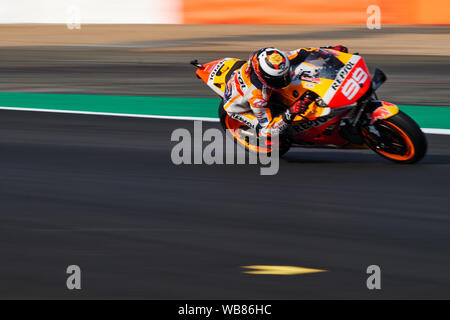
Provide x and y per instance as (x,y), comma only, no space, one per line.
(397,138)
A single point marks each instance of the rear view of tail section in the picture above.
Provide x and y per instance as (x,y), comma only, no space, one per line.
(217,73)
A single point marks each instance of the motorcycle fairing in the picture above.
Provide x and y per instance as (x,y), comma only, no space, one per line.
(343,84)
(214,74)
(320,131)
(350,85)
(343,87)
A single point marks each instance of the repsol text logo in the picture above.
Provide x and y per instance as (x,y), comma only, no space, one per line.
(240,118)
(342,75)
(216,69)
(306,125)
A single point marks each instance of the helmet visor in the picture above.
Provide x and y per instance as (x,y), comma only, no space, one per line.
(277,82)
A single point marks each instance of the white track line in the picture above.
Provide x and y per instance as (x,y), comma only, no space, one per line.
(426,130)
(436,131)
(112,114)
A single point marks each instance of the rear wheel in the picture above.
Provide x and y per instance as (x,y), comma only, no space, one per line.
(398,139)
(245,136)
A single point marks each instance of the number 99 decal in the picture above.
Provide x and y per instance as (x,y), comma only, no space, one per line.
(352,86)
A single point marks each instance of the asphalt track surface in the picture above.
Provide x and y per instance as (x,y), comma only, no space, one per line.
(103,193)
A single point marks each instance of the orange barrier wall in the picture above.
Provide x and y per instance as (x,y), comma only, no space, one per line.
(314,11)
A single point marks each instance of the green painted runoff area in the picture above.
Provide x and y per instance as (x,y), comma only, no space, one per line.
(427,117)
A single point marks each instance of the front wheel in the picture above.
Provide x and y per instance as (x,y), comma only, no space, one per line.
(398,139)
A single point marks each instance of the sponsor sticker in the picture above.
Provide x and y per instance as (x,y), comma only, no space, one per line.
(342,74)
(308,124)
(216,69)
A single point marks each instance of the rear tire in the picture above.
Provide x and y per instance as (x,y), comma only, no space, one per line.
(401,140)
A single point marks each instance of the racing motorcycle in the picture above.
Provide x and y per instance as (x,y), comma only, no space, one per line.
(346,113)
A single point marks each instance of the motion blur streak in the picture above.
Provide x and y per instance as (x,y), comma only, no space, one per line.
(309,12)
(294,12)
(87,11)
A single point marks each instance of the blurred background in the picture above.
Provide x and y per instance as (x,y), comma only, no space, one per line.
(142,47)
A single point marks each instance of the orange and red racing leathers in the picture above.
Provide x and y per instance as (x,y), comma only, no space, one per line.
(247,99)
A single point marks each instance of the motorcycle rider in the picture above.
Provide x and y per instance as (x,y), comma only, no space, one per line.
(249,89)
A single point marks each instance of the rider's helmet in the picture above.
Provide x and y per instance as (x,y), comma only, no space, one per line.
(272,67)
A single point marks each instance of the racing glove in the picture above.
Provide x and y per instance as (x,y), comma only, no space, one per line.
(299,107)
